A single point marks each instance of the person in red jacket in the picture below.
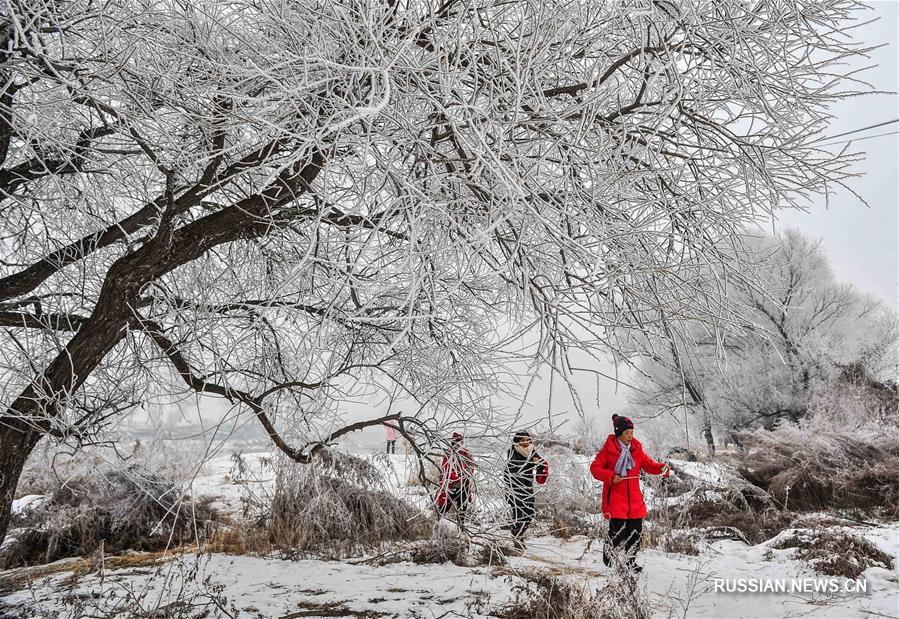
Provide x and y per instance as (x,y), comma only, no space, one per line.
(455,486)
(617,466)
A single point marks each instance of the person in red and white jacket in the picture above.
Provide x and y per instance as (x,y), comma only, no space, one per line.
(524,465)
(617,466)
(456,483)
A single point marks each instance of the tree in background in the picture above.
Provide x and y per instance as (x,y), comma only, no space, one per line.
(807,330)
(278,202)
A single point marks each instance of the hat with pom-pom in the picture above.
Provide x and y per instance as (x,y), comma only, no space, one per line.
(621,424)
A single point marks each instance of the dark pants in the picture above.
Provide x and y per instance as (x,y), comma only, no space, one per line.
(391,447)
(455,497)
(628,531)
(522,504)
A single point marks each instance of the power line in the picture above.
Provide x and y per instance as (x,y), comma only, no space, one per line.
(867,137)
(839,135)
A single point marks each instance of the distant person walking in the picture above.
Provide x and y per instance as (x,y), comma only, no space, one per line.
(617,466)
(391,439)
(455,487)
(523,466)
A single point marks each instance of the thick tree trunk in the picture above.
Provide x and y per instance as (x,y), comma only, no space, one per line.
(32,414)
(34,411)
(16,444)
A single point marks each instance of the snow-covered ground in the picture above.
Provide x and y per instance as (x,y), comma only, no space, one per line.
(675,585)
(260,587)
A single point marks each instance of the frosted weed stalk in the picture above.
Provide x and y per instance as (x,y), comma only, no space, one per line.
(179,589)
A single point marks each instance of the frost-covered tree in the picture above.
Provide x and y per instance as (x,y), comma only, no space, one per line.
(274,200)
(805,329)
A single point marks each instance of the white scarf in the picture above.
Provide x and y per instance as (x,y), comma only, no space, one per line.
(524,453)
(625,460)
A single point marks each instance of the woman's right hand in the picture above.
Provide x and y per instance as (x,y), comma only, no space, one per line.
(616,478)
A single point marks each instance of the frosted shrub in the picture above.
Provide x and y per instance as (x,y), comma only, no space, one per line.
(808,471)
(448,544)
(191,593)
(836,552)
(125,508)
(338,506)
(50,465)
(686,510)
(546,596)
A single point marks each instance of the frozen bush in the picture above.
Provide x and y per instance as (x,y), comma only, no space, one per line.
(835,552)
(50,465)
(543,595)
(811,471)
(126,508)
(679,541)
(731,509)
(337,506)
(447,544)
(856,396)
(720,515)
(189,593)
